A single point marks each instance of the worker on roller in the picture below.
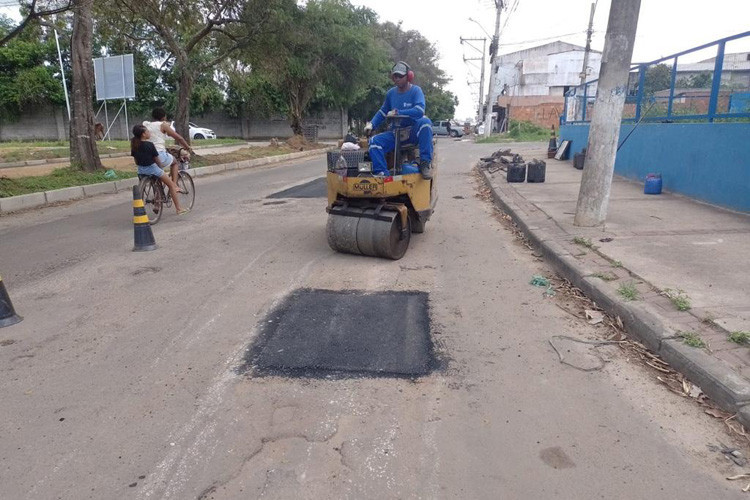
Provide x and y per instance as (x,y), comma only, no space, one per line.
(405,99)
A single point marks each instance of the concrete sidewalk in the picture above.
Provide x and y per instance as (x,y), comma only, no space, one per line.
(656,242)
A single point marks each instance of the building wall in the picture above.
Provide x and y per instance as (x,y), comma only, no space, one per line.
(50,123)
(706,161)
(544,70)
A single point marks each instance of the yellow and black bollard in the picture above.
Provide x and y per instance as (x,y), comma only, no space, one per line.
(8,315)
(144,237)
(552,148)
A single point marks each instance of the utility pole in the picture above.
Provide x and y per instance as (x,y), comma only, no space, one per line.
(604,132)
(584,71)
(492,93)
(481,78)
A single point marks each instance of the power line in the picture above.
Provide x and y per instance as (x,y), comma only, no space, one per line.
(543,39)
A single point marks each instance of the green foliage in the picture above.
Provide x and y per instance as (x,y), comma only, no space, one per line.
(585,242)
(742,338)
(328,60)
(692,339)
(616,263)
(679,298)
(27,74)
(658,77)
(605,276)
(58,179)
(702,80)
(628,291)
(422,56)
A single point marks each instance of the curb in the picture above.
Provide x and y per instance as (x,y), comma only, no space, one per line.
(33,200)
(715,378)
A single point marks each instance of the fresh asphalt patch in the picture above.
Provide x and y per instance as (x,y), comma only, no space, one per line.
(342,334)
(313,189)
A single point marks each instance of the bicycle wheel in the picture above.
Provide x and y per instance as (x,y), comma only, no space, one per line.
(187,189)
(152,199)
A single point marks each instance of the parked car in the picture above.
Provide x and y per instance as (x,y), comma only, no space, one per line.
(443,127)
(197,132)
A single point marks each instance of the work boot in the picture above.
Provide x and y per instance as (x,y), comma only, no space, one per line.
(425,167)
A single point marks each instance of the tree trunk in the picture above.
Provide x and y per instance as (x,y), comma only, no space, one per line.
(182,113)
(83,152)
(295,113)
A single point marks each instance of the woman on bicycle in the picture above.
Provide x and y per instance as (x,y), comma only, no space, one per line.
(147,159)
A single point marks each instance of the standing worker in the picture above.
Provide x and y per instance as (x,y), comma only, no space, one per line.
(405,99)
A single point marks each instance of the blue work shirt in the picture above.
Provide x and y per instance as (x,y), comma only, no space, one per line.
(409,103)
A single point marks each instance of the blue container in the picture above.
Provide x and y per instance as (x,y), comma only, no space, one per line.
(408,168)
(653,184)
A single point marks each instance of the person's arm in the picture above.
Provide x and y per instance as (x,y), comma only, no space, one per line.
(417,110)
(174,135)
(154,154)
(382,112)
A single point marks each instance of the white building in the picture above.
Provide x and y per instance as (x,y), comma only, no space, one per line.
(547,70)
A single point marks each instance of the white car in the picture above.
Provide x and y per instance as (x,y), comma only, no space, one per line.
(197,132)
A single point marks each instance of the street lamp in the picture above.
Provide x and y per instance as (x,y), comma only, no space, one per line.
(480,25)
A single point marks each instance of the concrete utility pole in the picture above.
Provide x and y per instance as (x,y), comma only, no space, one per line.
(584,71)
(492,93)
(481,78)
(604,132)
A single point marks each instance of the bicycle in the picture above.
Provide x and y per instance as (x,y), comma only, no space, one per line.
(155,194)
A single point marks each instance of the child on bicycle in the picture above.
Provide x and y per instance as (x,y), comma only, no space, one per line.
(147,158)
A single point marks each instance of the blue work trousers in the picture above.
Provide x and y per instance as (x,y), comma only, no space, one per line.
(381,144)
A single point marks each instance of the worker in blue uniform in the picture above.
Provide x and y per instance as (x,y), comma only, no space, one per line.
(404,99)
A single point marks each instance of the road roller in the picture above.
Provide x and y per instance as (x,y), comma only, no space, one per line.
(375,215)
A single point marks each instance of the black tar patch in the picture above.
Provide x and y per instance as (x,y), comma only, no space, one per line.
(314,189)
(325,333)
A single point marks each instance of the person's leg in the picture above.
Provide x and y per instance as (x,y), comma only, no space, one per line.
(167,161)
(421,133)
(172,190)
(379,146)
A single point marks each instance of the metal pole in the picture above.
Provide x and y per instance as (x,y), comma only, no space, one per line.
(481,78)
(492,93)
(588,44)
(127,126)
(106,118)
(62,73)
(604,132)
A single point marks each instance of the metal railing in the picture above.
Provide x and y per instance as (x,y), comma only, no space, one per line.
(720,93)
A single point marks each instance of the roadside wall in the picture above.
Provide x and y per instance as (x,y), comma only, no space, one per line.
(706,161)
(51,123)
(543,111)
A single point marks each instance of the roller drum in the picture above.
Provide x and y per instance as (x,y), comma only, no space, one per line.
(366,235)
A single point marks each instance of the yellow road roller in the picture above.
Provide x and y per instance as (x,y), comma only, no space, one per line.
(375,214)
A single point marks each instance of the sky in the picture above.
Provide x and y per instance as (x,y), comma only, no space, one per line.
(665,27)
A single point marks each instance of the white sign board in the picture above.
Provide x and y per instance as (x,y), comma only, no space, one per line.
(115,77)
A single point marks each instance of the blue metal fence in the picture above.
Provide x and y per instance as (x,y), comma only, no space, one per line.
(727,98)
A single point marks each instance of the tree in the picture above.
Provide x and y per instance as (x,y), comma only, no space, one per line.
(658,77)
(33,11)
(422,56)
(83,150)
(701,80)
(27,72)
(325,61)
(196,35)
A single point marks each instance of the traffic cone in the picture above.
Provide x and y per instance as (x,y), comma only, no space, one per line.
(8,315)
(144,237)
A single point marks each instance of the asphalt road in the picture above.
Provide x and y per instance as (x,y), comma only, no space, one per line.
(124,380)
